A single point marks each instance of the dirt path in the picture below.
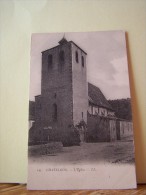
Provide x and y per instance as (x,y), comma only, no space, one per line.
(115,152)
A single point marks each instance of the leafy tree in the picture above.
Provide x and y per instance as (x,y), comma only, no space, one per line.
(122,108)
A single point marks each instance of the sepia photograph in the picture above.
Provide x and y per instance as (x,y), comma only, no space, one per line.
(80,114)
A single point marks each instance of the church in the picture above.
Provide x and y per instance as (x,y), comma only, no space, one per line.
(70,109)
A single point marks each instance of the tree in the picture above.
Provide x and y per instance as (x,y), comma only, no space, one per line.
(122,108)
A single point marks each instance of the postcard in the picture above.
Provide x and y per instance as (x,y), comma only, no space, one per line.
(80,118)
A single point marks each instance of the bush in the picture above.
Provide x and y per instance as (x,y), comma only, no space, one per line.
(71,137)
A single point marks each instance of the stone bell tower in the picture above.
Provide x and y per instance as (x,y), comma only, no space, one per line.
(64,91)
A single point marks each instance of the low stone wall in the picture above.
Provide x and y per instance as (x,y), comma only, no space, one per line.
(44,149)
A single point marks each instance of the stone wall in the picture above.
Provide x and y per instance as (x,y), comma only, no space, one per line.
(63,85)
(79,85)
(107,129)
(98,129)
(56,88)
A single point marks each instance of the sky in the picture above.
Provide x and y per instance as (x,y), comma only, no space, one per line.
(107,66)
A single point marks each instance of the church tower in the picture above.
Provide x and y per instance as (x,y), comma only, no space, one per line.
(64,89)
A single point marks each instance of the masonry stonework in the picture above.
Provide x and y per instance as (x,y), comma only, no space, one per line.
(79,85)
(64,91)
(56,86)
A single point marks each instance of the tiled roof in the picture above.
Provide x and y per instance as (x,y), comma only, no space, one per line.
(96,97)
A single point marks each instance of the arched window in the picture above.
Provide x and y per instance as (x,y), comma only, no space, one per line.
(82,61)
(50,61)
(61,56)
(77,58)
(54,115)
